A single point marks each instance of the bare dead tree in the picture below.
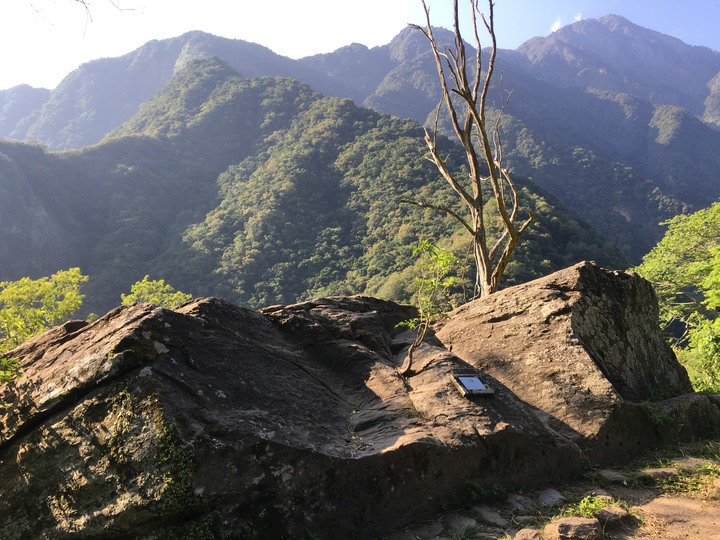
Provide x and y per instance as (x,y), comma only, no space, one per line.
(464,96)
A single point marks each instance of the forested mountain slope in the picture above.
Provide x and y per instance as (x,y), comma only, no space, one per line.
(621,148)
(18,107)
(258,190)
(617,121)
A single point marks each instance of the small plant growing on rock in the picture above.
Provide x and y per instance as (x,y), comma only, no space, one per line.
(431,288)
(655,415)
(411,410)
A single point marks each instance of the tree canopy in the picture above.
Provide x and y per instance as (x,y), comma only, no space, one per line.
(258,191)
(154,291)
(31,306)
(684,267)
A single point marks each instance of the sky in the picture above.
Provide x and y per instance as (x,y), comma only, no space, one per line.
(44,40)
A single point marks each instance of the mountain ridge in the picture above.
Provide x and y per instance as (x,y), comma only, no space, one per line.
(256,190)
(615,160)
(327,75)
(666,70)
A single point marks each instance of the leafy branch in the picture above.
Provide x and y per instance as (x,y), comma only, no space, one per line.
(434,280)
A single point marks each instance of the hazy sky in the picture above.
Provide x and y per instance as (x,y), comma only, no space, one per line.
(43,40)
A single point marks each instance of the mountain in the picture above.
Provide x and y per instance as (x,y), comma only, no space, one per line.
(101,95)
(18,106)
(609,117)
(258,190)
(617,121)
(611,53)
(216,175)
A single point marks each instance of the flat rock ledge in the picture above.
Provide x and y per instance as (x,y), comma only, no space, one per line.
(217,421)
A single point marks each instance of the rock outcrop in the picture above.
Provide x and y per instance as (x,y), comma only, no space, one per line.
(217,421)
(582,347)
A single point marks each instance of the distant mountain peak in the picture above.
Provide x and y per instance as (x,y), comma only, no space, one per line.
(614,21)
(410,43)
(615,26)
(611,53)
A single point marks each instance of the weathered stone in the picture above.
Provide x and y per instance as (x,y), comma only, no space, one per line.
(714,490)
(690,463)
(550,497)
(221,417)
(614,477)
(598,493)
(488,515)
(402,535)
(573,529)
(521,503)
(525,520)
(459,524)
(151,423)
(528,534)
(579,346)
(687,417)
(425,531)
(612,516)
(678,466)
(657,473)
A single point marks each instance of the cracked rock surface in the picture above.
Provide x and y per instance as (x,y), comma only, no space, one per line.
(582,347)
(221,421)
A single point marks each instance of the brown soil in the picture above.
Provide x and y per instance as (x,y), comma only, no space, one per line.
(673,517)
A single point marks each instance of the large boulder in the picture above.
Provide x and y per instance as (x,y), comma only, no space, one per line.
(583,347)
(152,423)
(217,421)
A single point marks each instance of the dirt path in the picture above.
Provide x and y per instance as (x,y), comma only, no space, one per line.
(673,517)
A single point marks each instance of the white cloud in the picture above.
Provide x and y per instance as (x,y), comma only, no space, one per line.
(578,17)
(556,25)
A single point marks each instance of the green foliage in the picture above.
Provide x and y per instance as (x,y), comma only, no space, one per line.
(656,416)
(684,268)
(432,291)
(154,291)
(319,213)
(555,241)
(711,283)
(9,369)
(184,96)
(701,356)
(588,506)
(691,480)
(433,286)
(28,307)
(179,469)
